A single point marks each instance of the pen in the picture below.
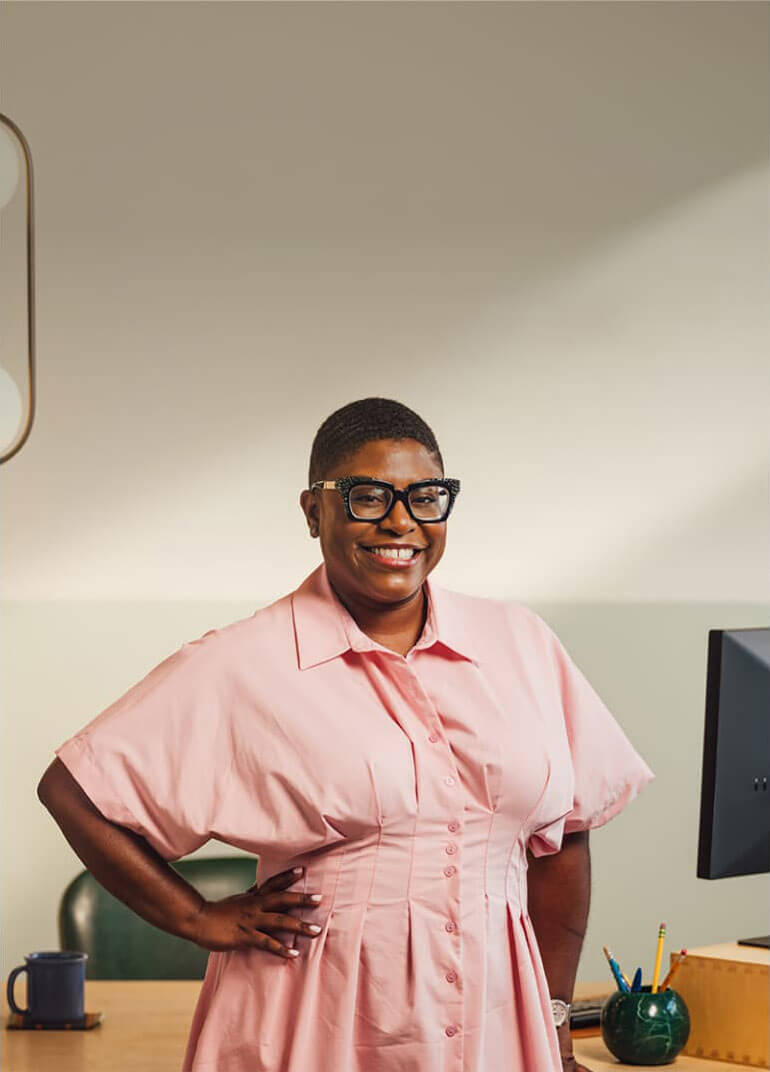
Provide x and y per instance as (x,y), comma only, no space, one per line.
(623,975)
(619,979)
(637,983)
(658,955)
(671,971)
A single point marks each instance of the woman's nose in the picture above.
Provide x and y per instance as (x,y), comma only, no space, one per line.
(399,517)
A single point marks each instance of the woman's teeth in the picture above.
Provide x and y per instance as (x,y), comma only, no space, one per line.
(393,552)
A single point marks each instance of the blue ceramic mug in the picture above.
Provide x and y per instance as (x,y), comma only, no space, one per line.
(55,986)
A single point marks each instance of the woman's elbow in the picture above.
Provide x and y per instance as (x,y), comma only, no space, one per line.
(44,785)
(57,784)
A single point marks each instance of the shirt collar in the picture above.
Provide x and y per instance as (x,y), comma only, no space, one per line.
(324,628)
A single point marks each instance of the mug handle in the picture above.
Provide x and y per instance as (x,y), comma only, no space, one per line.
(11,981)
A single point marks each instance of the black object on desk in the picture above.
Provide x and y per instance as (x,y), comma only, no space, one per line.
(586,1013)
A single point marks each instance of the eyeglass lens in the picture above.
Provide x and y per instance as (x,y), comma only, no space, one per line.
(370,502)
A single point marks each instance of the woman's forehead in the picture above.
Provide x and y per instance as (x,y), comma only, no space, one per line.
(390,459)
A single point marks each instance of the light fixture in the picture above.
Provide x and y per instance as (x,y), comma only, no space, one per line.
(12,143)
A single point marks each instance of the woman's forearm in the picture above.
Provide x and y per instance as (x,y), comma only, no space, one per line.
(119,859)
(558,900)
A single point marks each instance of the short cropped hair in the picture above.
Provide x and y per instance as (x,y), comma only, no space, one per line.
(348,428)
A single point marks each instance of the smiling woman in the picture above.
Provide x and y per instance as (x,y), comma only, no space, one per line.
(378,500)
(401,751)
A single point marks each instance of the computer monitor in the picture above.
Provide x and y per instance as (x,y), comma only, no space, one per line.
(734,835)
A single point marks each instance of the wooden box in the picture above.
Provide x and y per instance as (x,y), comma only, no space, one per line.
(727,991)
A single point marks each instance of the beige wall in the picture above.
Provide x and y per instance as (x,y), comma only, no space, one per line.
(540,225)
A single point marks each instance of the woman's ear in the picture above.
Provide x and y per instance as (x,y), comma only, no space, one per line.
(309,506)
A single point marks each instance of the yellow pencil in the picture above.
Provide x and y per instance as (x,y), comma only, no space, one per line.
(674,968)
(658,956)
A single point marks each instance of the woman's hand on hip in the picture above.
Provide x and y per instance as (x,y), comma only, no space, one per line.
(247,920)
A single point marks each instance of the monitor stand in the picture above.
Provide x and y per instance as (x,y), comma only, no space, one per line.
(763,941)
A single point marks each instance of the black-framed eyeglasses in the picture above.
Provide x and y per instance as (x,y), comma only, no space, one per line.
(367,499)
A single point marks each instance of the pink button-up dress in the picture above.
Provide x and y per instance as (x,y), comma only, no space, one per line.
(410,788)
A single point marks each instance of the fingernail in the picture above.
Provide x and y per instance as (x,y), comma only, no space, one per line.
(294,952)
(313,927)
(315,896)
(296,870)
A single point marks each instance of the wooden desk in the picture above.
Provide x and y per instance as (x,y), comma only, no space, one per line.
(145,1029)
(146,1025)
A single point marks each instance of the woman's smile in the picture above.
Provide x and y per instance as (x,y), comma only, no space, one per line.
(393,557)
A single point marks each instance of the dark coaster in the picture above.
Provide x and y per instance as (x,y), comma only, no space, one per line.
(18,1022)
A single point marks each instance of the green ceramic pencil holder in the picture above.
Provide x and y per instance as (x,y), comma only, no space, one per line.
(640,1028)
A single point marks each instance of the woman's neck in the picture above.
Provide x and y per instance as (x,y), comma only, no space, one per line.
(398,628)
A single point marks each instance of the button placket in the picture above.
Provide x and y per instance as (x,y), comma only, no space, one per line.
(421,715)
(451,848)
(451,971)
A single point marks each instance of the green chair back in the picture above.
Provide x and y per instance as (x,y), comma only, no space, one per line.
(122,945)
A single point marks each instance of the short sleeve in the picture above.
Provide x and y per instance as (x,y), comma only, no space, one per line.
(157,759)
(607,771)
